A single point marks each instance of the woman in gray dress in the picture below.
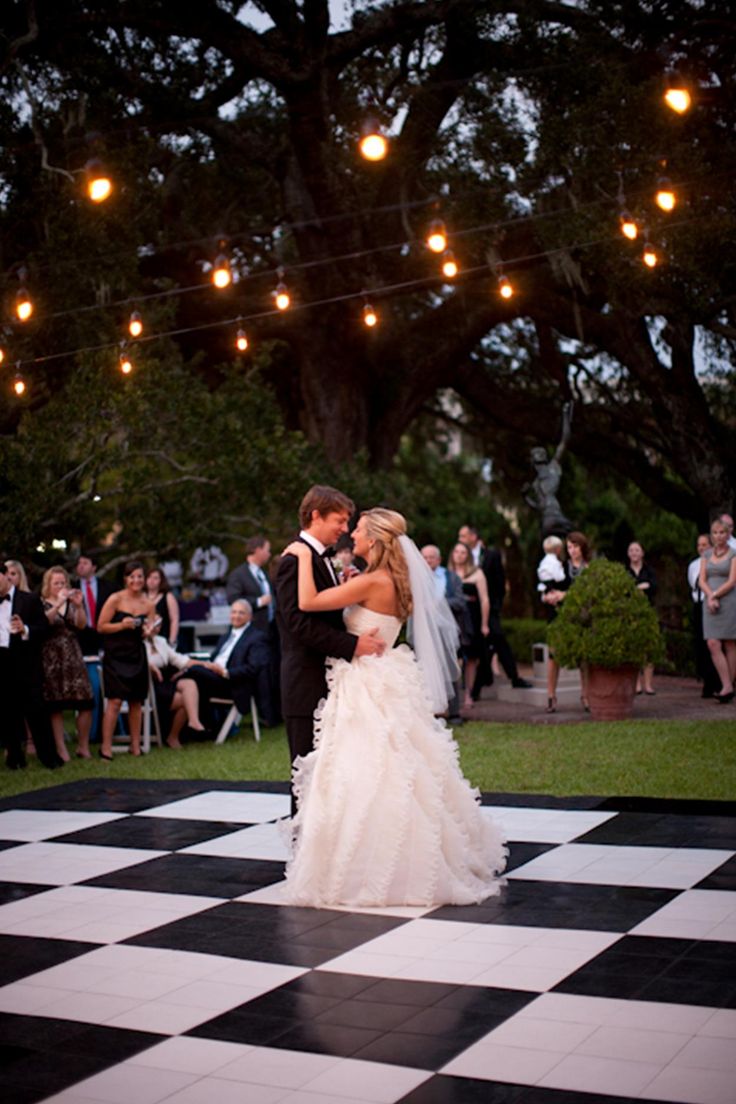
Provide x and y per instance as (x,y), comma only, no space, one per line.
(718,584)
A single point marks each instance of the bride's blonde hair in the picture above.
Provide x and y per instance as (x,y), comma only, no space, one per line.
(384,527)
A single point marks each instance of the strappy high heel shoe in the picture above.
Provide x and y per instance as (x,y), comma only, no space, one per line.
(585,704)
(551,705)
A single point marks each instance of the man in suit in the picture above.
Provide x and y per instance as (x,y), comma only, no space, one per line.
(490,562)
(23,628)
(250,581)
(95,593)
(237,670)
(308,638)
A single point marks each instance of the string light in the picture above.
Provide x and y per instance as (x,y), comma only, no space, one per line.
(221,274)
(280,293)
(370,318)
(373,144)
(650,256)
(2,354)
(677,95)
(19,385)
(666,199)
(23,305)
(449,265)
(99,184)
(628,226)
(241,340)
(135,324)
(505,287)
(437,236)
(125,363)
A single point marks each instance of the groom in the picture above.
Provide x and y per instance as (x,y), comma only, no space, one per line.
(308,638)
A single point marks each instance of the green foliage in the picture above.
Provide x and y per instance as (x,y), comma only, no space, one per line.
(522,634)
(605,621)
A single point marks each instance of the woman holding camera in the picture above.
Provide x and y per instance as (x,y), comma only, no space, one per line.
(124,619)
(65,681)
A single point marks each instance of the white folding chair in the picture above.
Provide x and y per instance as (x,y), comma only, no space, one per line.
(121,741)
(234,717)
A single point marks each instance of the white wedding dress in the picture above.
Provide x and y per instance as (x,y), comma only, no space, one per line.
(385,816)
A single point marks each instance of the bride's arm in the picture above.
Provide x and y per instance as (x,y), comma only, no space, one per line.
(311,600)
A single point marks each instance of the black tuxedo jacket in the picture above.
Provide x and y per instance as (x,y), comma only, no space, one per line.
(306,639)
(248,659)
(492,567)
(90,640)
(24,656)
(241,584)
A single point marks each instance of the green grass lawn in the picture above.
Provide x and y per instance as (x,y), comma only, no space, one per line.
(686,759)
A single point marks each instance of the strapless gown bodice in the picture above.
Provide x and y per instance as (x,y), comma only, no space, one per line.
(385,815)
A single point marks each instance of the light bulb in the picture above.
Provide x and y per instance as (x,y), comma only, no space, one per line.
(449,265)
(99,184)
(678,100)
(373,146)
(241,340)
(650,257)
(437,236)
(370,318)
(281,297)
(126,365)
(629,229)
(135,324)
(665,198)
(19,385)
(23,305)
(2,354)
(221,274)
(505,287)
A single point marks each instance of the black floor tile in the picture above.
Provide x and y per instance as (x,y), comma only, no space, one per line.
(462,1090)
(323,1038)
(665,830)
(155,833)
(208,876)
(127,795)
(21,955)
(323,983)
(16,891)
(724,877)
(520,853)
(665,970)
(239,1025)
(6,844)
(420,994)
(563,905)
(399,1048)
(475,1000)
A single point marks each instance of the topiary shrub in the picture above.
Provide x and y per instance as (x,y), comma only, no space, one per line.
(605,621)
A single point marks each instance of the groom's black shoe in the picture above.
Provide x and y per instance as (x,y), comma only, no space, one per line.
(522,684)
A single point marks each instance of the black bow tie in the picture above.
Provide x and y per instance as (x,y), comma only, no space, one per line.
(5,598)
(327,553)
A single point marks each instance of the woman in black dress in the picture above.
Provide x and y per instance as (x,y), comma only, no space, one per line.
(164,603)
(646,582)
(475,589)
(124,618)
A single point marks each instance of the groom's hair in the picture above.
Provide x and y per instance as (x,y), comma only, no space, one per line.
(325,500)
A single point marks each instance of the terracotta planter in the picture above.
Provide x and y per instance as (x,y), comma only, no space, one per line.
(611,692)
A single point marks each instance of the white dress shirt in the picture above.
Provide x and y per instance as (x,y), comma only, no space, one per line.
(319,548)
(224,653)
(693,574)
(6,612)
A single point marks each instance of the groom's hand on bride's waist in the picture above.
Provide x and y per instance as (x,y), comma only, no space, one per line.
(369,644)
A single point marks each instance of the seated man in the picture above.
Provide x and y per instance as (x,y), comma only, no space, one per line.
(238,670)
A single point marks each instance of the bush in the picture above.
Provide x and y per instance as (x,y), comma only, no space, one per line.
(605,621)
(679,656)
(522,633)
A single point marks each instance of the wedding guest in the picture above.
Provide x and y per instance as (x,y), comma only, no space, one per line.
(165,604)
(578,558)
(551,569)
(65,682)
(449,586)
(727,520)
(125,665)
(17,575)
(718,583)
(23,628)
(704,668)
(95,592)
(166,665)
(646,582)
(475,589)
(250,581)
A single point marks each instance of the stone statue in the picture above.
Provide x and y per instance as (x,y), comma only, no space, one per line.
(541,494)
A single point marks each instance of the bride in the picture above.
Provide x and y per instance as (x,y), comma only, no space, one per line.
(385,816)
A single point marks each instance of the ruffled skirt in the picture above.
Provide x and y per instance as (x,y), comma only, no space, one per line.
(385,816)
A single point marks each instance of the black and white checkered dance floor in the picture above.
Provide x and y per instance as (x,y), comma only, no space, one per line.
(145,956)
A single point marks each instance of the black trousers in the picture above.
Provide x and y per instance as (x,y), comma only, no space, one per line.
(300,734)
(20,703)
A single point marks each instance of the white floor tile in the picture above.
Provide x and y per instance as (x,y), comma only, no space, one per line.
(608,864)
(288,1069)
(369,1081)
(226,805)
(125,1083)
(520,1065)
(215,1090)
(694,914)
(706,1052)
(524,824)
(67,863)
(190,1055)
(691,1086)
(633,1044)
(721,1024)
(23,999)
(160,1018)
(32,825)
(583,1073)
(274,895)
(571,1008)
(560,1038)
(262,841)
